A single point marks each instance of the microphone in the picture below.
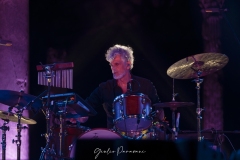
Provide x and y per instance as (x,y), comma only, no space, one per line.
(129,86)
(5,42)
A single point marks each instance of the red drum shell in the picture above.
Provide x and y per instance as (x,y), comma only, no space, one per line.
(71,134)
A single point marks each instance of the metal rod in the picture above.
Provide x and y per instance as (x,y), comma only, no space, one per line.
(19,129)
(4,128)
(173,125)
(198,109)
(61,135)
(71,78)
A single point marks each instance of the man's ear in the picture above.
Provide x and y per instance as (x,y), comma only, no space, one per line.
(128,65)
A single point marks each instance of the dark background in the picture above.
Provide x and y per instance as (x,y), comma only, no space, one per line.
(160,32)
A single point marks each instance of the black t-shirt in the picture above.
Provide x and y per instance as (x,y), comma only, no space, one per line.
(105,94)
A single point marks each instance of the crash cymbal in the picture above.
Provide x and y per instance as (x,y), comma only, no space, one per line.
(18,99)
(172,105)
(206,63)
(14,118)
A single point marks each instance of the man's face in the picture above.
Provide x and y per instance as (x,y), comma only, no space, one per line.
(119,67)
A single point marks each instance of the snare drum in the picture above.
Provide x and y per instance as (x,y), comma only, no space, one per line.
(95,134)
(132,112)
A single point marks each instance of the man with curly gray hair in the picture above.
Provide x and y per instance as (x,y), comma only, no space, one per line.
(124,84)
(125,51)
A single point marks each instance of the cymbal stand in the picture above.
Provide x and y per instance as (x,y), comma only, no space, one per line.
(47,152)
(19,129)
(61,132)
(174,129)
(4,128)
(198,81)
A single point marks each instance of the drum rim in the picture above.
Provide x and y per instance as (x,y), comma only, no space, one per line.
(138,130)
(101,129)
(128,94)
(134,116)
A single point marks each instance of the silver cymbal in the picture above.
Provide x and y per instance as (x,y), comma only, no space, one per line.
(14,118)
(205,63)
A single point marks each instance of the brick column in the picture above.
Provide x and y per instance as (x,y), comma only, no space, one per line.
(14,65)
(212,89)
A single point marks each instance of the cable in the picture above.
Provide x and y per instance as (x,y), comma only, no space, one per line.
(229,142)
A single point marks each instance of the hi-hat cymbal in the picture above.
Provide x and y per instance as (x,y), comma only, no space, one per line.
(18,99)
(172,105)
(14,118)
(205,63)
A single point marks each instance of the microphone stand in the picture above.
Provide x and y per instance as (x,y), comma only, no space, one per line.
(46,151)
(4,128)
(32,101)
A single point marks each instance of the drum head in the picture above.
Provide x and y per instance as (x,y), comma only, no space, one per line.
(100,133)
(95,134)
(133,124)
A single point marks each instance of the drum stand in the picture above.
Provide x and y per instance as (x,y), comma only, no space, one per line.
(198,81)
(4,128)
(174,133)
(174,122)
(19,129)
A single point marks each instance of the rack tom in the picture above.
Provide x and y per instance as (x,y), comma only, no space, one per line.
(132,112)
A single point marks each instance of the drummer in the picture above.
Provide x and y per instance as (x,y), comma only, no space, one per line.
(121,61)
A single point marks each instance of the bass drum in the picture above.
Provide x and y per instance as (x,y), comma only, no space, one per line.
(95,134)
(70,134)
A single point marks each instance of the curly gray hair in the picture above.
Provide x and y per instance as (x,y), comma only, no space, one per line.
(126,53)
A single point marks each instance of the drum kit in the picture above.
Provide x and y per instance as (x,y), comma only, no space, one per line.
(134,115)
(21,102)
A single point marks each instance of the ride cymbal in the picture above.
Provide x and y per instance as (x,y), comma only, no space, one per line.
(197,65)
(172,105)
(14,118)
(18,99)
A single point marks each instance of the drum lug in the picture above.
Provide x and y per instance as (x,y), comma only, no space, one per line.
(121,101)
(113,111)
(143,100)
(144,112)
(121,112)
(70,147)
